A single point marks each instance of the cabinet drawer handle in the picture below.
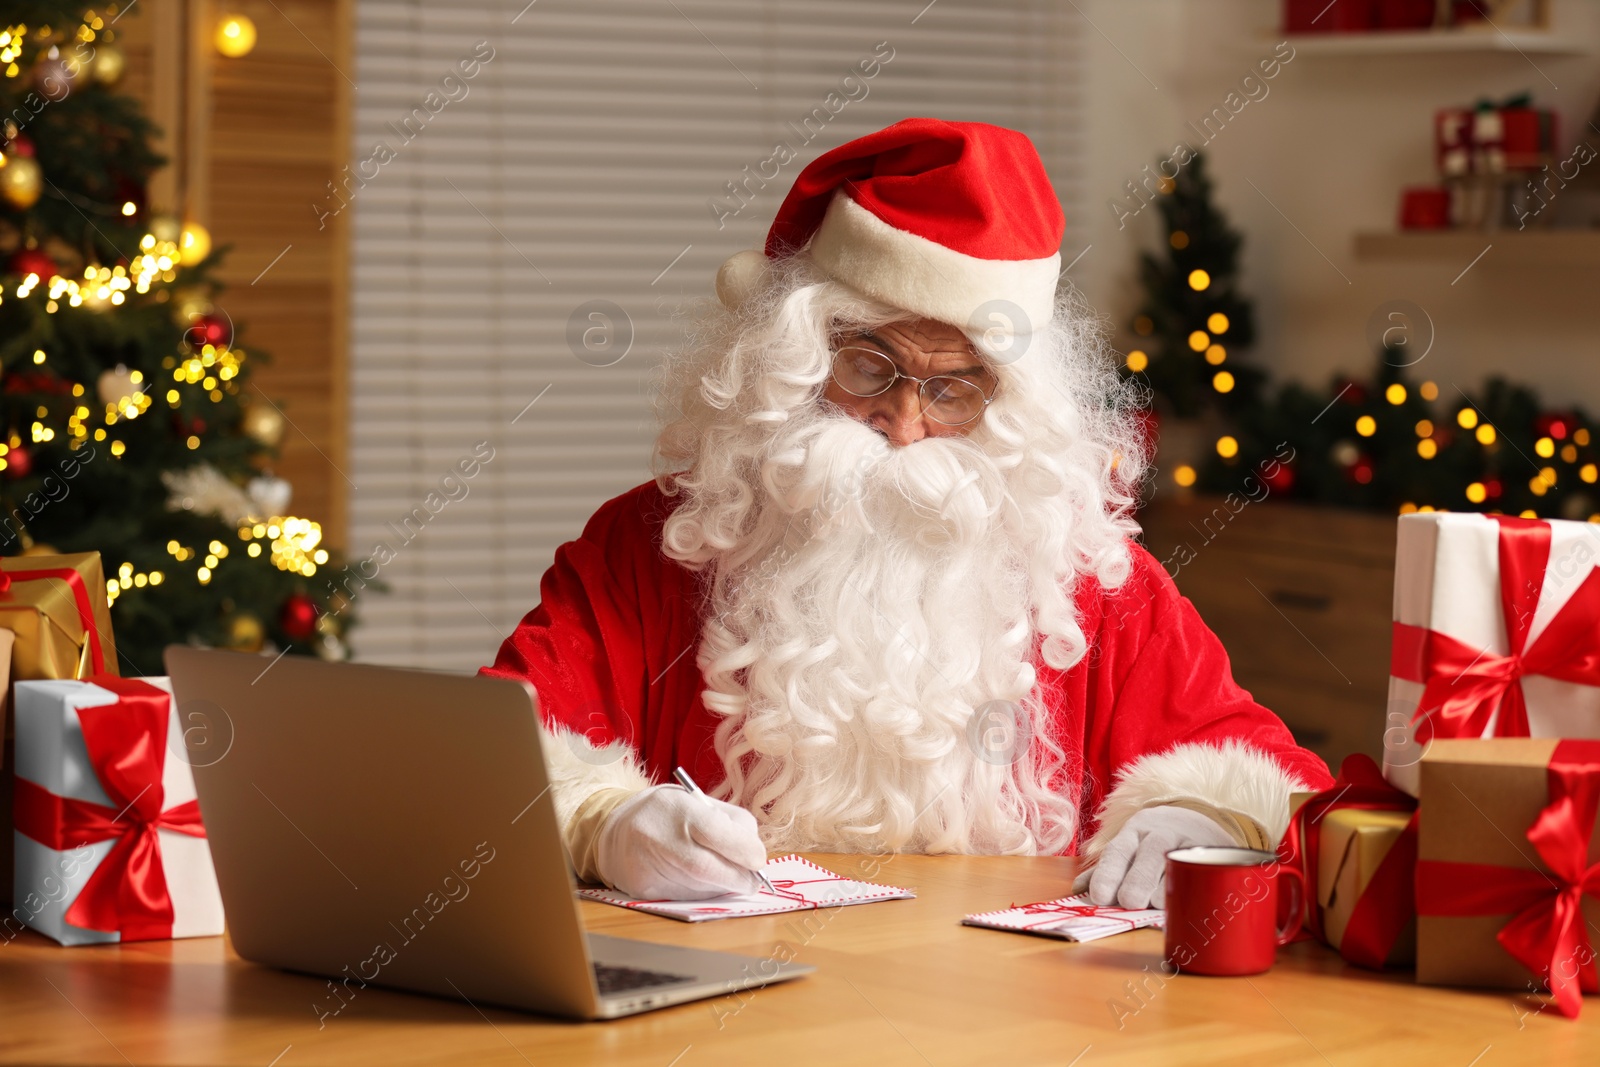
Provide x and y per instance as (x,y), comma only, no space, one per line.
(1289,598)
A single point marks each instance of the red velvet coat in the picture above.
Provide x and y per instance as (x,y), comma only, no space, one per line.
(611,651)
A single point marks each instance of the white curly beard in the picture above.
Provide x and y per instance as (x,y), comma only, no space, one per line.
(874,613)
(881,600)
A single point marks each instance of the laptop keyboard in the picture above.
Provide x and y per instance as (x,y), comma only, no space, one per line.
(625,979)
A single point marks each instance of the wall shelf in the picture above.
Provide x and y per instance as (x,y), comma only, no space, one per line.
(1436,42)
(1511,248)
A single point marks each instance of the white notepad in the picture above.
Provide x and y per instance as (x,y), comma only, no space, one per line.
(1068,918)
(801,886)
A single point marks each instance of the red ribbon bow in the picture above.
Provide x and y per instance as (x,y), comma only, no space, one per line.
(1464,685)
(127,743)
(1388,901)
(1546,933)
(80,597)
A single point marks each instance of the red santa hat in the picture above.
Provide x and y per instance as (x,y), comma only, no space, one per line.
(955,221)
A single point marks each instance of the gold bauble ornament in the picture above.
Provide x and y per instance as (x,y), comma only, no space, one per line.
(236,36)
(246,633)
(108,64)
(21,181)
(264,423)
(194,244)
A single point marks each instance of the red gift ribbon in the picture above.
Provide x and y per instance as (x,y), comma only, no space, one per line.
(1465,685)
(1388,901)
(127,743)
(1546,931)
(80,596)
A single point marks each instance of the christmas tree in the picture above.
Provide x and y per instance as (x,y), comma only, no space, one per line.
(1385,442)
(128,424)
(1193,322)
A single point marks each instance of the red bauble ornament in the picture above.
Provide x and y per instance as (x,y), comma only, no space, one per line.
(21,145)
(188,427)
(19,463)
(34,261)
(1281,479)
(298,617)
(1492,488)
(213,330)
(1350,391)
(1554,424)
(1361,470)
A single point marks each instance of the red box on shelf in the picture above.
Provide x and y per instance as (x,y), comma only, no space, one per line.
(1530,136)
(1329,16)
(1405,14)
(1425,207)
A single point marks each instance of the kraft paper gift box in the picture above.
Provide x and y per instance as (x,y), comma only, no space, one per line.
(1356,845)
(1508,866)
(1496,633)
(109,844)
(54,611)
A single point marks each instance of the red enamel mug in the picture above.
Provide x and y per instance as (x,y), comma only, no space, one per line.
(1223,907)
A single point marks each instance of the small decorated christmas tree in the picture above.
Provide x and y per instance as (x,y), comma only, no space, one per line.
(1193,322)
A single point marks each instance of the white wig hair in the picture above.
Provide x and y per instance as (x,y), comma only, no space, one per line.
(866,603)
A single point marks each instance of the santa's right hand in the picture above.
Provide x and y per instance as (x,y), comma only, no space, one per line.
(665,843)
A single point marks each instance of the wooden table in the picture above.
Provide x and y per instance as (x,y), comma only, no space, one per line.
(898,983)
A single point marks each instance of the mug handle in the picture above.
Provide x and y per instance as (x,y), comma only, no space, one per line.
(1292,927)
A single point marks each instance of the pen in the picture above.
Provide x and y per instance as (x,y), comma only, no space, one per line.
(681,776)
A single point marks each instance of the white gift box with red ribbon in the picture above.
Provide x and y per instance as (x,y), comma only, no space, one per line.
(1496,633)
(109,844)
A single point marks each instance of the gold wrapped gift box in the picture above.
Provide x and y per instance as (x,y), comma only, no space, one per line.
(1354,842)
(45,613)
(42,635)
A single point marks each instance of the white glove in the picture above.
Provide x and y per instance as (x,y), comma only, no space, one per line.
(1132,871)
(665,843)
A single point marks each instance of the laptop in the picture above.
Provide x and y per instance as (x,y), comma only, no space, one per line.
(394,828)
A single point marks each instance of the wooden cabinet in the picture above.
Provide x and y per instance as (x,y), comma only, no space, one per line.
(1301,598)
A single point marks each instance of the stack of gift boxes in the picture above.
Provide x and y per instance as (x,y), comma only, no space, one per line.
(107,842)
(1474,855)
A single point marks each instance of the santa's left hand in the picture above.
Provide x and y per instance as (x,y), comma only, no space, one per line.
(1132,871)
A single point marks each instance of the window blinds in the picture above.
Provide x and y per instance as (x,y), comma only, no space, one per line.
(538,193)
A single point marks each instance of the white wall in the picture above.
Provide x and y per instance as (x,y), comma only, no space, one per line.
(1331,145)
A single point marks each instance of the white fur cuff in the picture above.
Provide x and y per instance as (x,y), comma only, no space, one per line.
(1231,777)
(578,769)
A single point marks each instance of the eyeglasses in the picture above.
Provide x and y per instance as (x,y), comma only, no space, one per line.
(945,399)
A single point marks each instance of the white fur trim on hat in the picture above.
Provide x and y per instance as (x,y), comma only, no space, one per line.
(740,275)
(578,768)
(1232,777)
(906,271)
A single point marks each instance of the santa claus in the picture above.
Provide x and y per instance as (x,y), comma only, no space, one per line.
(883,594)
